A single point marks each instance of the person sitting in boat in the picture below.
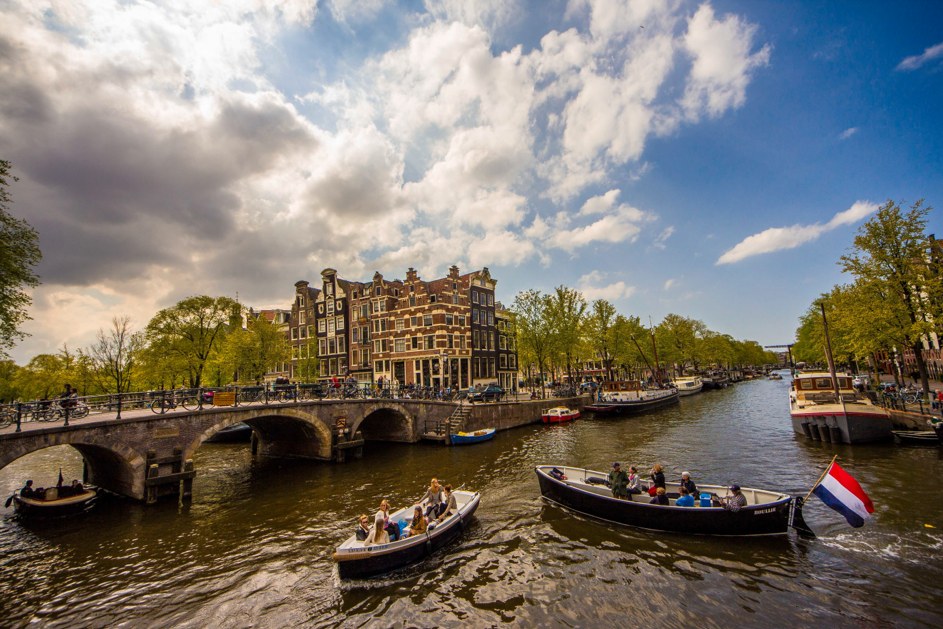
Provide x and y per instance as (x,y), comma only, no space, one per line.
(685,499)
(688,484)
(392,528)
(660,497)
(734,500)
(618,482)
(451,506)
(432,499)
(377,534)
(77,487)
(658,476)
(633,485)
(418,525)
(363,527)
(28,491)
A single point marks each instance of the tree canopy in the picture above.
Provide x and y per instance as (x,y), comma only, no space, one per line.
(19,255)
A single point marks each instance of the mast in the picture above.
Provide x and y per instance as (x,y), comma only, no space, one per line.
(655,351)
(831,362)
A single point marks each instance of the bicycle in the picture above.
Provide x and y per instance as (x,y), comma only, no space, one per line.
(163,403)
(7,416)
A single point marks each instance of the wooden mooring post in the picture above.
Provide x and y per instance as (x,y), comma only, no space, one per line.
(177,482)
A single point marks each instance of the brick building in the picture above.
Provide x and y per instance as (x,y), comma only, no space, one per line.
(448,332)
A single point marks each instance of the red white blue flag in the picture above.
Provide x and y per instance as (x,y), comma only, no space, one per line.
(842,493)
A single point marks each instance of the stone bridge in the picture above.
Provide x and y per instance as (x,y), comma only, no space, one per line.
(145,456)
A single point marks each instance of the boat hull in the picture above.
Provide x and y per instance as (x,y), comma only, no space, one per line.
(458,439)
(634,407)
(60,507)
(559,418)
(836,425)
(917,437)
(688,386)
(763,519)
(362,562)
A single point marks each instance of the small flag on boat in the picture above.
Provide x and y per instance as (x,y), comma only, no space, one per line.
(59,484)
(842,493)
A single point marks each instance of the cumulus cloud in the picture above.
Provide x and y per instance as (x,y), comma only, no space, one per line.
(917,61)
(779,238)
(593,285)
(209,149)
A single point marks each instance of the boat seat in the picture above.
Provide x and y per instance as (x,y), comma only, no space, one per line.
(52,493)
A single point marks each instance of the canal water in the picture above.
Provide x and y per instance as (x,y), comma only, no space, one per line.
(254,547)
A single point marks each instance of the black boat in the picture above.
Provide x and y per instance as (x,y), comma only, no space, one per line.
(237,433)
(354,560)
(52,506)
(917,437)
(584,491)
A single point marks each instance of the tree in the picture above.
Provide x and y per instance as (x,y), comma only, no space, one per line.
(892,257)
(533,327)
(256,350)
(115,355)
(19,254)
(566,310)
(600,332)
(192,330)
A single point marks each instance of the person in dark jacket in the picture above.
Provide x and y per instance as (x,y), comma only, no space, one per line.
(618,482)
(688,484)
(658,476)
(363,529)
(660,497)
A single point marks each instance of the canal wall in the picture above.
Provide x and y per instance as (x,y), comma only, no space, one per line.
(905,420)
(507,415)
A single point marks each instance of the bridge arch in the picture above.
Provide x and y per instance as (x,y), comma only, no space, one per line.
(385,422)
(279,431)
(110,465)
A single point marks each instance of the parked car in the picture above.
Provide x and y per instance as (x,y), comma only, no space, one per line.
(491,393)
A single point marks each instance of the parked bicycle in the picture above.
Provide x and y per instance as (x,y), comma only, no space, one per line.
(168,401)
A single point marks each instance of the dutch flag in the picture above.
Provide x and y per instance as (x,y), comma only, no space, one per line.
(842,493)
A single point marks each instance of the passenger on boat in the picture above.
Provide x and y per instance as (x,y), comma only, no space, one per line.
(734,500)
(688,484)
(392,528)
(658,476)
(618,481)
(660,497)
(377,534)
(432,499)
(451,505)
(633,486)
(685,499)
(27,491)
(363,528)
(418,524)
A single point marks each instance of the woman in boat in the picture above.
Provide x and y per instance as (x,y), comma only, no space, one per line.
(377,534)
(658,476)
(418,524)
(363,528)
(633,484)
(688,484)
(451,506)
(433,499)
(660,497)
(392,529)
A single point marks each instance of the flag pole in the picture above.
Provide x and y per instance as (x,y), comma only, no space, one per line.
(827,468)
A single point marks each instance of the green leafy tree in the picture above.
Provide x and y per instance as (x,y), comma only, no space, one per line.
(892,256)
(566,311)
(192,330)
(19,255)
(534,327)
(602,334)
(256,350)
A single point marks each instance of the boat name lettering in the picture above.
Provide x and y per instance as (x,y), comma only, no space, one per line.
(762,511)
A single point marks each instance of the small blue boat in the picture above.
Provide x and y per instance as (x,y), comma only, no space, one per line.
(476,436)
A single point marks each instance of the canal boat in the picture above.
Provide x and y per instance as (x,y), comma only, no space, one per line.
(716,380)
(477,436)
(917,437)
(237,433)
(52,506)
(354,560)
(629,397)
(559,414)
(688,385)
(584,491)
(848,417)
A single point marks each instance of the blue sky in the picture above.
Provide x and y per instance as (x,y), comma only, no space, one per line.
(709,159)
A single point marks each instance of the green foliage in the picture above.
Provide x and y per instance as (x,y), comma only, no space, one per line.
(19,254)
(254,351)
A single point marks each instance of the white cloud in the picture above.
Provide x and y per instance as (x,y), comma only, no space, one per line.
(847,133)
(592,285)
(913,63)
(662,238)
(669,284)
(779,238)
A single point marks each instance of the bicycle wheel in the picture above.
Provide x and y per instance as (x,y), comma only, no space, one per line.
(7,418)
(80,411)
(189,401)
(158,406)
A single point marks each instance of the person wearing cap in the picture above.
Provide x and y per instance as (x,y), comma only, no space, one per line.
(688,484)
(734,500)
(619,481)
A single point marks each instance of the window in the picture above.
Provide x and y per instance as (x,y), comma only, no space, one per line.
(490,299)
(400,324)
(430,342)
(431,299)
(399,345)
(490,318)
(330,326)
(412,300)
(504,361)
(322,326)
(415,342)
(414,322)
(341,344)
(330,306)
(302,317)
(455,299)
(294,334)
(474,296)
(377,291)
(461,320)
(427,321)
(322,347)
(356,335)
(364,311)
(475,339)
(448,319)
(329,289)
(474,315)
(450,341)
(301,301)
(340,323)
(302,333)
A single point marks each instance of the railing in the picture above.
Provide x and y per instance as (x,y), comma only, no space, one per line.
(197,399)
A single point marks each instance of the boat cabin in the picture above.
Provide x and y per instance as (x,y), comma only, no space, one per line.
(818,387)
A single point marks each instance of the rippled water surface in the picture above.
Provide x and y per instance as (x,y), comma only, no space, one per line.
(254,547)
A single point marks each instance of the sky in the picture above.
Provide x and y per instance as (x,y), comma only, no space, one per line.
(707,159)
